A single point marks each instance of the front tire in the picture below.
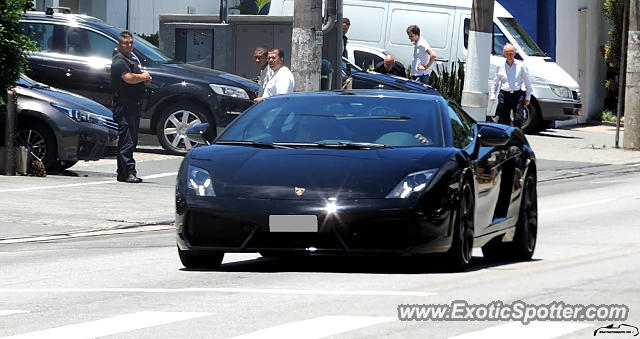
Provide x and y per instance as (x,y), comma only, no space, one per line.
(532,121)
(460,253)
(39,140)
(173,123)
(209,260)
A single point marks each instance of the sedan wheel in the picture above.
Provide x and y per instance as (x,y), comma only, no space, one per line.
(173,125)
(460,253)
(37,138)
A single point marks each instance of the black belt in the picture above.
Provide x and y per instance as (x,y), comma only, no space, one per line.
(511,92)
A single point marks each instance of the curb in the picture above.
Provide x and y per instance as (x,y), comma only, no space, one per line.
(136,228)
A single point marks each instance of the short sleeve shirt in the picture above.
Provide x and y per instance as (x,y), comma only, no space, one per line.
(121,65)
(420,57)
(281,82)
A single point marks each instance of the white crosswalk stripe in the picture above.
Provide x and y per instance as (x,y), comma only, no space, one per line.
(110,326)
(317,327)
(9,312)
(533,330)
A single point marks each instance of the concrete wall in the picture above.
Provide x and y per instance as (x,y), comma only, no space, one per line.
(569,47)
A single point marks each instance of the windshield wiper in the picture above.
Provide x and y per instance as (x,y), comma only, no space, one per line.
(251,143)
(354,145)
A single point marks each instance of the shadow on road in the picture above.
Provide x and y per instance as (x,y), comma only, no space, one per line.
(432,264)
(548,134)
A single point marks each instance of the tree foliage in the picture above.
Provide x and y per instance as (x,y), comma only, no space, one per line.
(14,44)
(614,12)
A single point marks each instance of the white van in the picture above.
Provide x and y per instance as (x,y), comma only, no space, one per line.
(445,25)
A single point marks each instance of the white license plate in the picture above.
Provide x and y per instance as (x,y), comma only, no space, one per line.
(293,223)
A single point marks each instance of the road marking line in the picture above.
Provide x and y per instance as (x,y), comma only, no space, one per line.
(110,326)
(9,312)
(597,202)
(317,327)
(534,330)
(88,234)
(220,290)
(93,183)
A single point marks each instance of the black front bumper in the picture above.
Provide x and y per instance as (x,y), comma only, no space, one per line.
(559,110)
(368,226)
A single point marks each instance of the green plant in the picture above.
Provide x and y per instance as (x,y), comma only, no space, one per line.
(262,3)
(14,44)
(614,12)
(608,116)
(449,81)
(152,38)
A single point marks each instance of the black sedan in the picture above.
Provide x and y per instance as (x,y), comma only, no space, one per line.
(358,172)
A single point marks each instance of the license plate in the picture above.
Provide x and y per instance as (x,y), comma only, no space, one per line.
(293,223)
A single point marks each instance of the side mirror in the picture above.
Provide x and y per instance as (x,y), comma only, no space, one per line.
(492,136)
(201,134)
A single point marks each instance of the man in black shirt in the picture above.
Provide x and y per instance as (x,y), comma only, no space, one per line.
(390,66)
(128,86)
(345,28)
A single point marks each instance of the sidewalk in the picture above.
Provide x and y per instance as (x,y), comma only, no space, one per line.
(580,150)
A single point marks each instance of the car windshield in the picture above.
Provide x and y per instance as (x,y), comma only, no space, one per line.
(522,37)
(150,51)
(338,121)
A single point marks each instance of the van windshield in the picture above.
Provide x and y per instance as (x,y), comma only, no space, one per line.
(522,37)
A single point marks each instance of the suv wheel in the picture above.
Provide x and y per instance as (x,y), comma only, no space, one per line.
(39,140)
(173,124)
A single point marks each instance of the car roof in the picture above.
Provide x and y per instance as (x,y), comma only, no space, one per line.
(406,84)
(63,18)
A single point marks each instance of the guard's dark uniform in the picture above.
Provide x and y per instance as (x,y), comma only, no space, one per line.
(396,70)
(127,101)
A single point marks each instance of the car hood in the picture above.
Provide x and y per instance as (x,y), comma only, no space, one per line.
(207,75)
(550,72)
(65,98)
(246,172)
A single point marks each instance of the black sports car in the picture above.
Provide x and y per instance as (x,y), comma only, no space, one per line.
(358,172)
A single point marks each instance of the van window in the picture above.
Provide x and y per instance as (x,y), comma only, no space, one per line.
(522,37)
(499,39)
(41,34)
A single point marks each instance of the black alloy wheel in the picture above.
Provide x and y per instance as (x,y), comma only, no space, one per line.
(461,251)
(173,123)
(209,260)
(524,242)
(38,140)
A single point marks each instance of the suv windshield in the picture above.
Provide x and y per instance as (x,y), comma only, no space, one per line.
(150,51)
(522,37)
(339,121)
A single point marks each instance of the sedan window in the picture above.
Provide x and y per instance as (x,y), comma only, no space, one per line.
(41,34)
(461,127)
(83,42)
(366,60)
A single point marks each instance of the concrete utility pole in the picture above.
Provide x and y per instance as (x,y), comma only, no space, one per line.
(10,159)
(306,45)
(475,94)
(623,69)
(632,94)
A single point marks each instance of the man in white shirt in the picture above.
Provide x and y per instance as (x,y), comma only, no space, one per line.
(508,83)
(281,82)
(423,55)
(260,57)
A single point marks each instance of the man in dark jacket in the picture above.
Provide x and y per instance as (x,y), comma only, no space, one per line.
(390,66)
(128,86)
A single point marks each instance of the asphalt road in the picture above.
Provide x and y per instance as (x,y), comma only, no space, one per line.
(133,286)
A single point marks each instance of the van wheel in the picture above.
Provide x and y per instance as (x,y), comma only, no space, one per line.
(39,140)
(173,123)
(532,122)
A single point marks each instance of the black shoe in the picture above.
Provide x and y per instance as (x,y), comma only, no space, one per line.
(131,178)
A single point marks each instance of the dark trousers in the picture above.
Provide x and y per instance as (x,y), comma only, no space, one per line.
(127,115)
(507,102)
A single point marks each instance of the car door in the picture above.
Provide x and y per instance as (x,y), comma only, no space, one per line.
(488,163)
(45,64)
(87,63)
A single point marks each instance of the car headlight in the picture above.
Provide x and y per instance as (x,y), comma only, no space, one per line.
(199,182)
(231,91)
(561,91)
(412,185)
(81,116)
